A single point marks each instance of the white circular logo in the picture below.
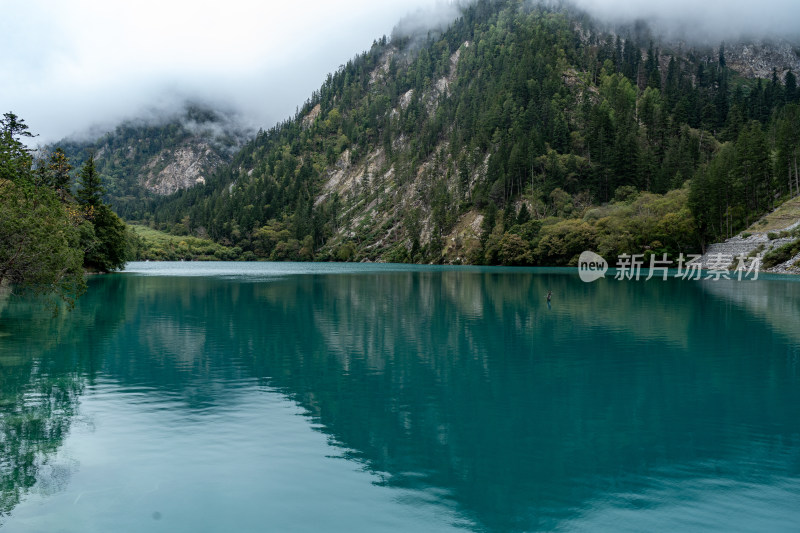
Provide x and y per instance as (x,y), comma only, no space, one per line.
(591,267)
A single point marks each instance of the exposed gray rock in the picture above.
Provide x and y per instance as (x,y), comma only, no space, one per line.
(788,267)
(758,243)
(180,168)
(757,59)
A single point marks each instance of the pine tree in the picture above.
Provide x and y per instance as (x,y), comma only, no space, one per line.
(90,189)
(788,149)
(721,99)
(630,59)
(15,158)
(651,68)
(672,90)
(103,235)
(14,126)
(790,87)
(104,241)
(58,170)
(618,54)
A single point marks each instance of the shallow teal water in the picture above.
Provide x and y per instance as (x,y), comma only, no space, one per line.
(295,397)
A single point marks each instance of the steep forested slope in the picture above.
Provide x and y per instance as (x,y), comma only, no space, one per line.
(146,158)
(520,135)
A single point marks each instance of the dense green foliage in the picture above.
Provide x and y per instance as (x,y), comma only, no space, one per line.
(507,106)
(749,174)
(147,244)
(782,254)
(38,233)
(103,235)
(47,236)
(647,222)
(39,249)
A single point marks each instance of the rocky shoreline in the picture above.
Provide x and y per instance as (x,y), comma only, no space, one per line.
(758,243)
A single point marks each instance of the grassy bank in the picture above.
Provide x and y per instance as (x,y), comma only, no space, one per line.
(148,244)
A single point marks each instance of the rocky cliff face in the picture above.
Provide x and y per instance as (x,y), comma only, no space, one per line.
(181,167)
(756,59)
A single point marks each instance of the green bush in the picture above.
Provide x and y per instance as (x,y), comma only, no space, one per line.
(782,254)
(758,249)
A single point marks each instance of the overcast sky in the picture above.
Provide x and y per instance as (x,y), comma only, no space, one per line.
(65,66)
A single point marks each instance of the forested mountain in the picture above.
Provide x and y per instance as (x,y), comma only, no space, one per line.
(151,157)
(522,134)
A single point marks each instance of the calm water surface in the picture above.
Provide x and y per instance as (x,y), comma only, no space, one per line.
(296,397)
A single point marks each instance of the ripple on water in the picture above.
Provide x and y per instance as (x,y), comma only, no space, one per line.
(192,397)
(700,504)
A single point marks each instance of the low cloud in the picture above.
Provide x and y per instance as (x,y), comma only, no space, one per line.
(709,21)
(433,18)
(66,67)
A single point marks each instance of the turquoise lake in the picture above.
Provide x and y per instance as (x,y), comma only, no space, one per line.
(250,397)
